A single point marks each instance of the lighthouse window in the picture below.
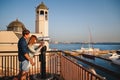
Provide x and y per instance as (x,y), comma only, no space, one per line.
(46,18)
(45,12)
(41,12)
(37,12)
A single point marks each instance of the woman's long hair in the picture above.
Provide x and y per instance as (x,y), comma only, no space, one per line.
(32,40)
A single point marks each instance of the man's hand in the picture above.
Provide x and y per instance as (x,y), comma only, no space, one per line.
(31,62)
(29,59)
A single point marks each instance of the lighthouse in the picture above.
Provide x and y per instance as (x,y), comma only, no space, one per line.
(42,19)
(41,23)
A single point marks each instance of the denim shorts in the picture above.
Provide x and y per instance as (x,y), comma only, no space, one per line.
(25,65)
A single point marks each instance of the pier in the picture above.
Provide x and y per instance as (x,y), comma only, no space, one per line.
(97,53)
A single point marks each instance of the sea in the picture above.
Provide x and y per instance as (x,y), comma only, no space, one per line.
(75,46)
(101,62)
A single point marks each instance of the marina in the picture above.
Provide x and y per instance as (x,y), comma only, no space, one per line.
(101,63)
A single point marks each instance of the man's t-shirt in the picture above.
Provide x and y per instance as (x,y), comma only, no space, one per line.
(22,49)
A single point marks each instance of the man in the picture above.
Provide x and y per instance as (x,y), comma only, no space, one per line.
(23,55)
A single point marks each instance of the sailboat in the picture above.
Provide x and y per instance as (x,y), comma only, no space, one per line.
(90,50)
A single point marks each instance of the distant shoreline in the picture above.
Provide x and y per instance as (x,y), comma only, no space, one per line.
(100,43)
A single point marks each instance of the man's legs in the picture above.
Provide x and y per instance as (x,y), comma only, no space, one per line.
(24,67)
(23,75)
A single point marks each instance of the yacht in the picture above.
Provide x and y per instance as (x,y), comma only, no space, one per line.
(88,51)
(115,58)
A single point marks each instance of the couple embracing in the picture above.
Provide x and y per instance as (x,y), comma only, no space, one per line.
(26,52)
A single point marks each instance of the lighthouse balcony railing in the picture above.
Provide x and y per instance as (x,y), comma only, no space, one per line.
(58,64)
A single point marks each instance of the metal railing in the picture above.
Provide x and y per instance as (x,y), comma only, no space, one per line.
(56,63)
(71,70)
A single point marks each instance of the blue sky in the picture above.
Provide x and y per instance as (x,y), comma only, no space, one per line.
(69,20)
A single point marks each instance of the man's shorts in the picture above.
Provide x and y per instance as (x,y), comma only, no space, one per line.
(25,65)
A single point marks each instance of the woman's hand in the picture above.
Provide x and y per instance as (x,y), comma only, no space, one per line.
(42,43)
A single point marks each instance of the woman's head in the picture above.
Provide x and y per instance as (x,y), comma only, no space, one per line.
(32,39)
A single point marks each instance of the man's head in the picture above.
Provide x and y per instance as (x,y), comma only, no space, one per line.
(26,33)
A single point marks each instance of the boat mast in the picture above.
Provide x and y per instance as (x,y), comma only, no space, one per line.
(90,38)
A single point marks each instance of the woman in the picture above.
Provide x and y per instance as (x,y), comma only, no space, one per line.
(33,47)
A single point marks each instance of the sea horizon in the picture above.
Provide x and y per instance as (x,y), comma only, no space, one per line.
(85,43)
(75,46)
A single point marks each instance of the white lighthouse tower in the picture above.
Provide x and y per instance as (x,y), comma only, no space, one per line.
(42,22)
(42,19)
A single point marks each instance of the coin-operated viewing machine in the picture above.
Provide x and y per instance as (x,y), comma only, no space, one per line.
(42,58)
